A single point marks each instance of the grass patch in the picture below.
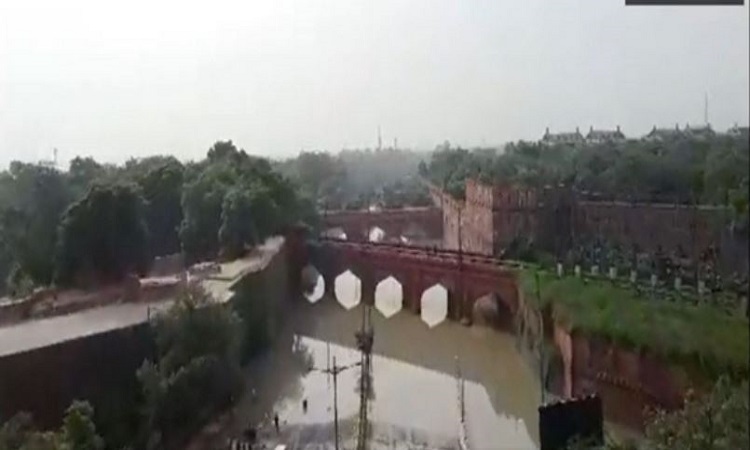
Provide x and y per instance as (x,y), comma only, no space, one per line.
(681,333)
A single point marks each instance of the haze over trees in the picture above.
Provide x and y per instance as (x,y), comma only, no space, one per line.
(98,222)
(355,179)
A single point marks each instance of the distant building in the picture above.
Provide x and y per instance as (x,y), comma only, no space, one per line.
(562,138)
(664,134)
(703,132)
(604,136)
(736,131)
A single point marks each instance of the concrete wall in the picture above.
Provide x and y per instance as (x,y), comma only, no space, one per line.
(44,381)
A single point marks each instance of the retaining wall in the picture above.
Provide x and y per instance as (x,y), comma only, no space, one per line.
(628,381)
(44,381)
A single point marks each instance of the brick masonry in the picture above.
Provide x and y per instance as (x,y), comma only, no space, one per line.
(492,216)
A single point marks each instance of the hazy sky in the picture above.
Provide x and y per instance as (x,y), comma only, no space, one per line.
(120,79)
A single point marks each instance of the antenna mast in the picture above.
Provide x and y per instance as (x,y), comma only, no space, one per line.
(705,109)
(380,139)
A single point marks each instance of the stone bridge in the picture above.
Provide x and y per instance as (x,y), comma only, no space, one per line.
(424,221)
(466,277)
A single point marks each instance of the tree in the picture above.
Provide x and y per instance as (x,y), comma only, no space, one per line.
(197,371)
(78,430)
(235,200)
(36,198)
(82,172)
(160,180)
(718,420)
(202,201)
(239,218)
(103,236)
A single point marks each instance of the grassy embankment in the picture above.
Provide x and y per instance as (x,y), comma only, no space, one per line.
(702,336)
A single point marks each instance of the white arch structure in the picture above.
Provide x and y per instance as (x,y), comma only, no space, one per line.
(389,297)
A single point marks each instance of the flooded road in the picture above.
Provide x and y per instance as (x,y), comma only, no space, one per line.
(414,366)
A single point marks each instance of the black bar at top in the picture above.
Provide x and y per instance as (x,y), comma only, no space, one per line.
(684,2)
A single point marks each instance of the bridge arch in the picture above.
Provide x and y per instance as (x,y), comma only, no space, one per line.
(434,305)
(491,311)
(313,284)
(389,296)
(463,281)
(348,289)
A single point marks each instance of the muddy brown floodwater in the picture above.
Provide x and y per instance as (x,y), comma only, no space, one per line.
(415,403)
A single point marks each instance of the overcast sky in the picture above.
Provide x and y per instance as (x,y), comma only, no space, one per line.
(119,79)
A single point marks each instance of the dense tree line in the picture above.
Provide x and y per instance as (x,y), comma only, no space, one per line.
(97,222)
(355,179)
(711,171)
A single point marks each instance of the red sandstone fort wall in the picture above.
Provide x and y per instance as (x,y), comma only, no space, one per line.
(650,226)
(628,381)
(492,216)
(478,219)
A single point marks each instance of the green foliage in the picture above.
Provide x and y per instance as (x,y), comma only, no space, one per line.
(18,283)
(197,372)
(160,180)
(717,421)
(701,335)
(181,206)
(32,198)
(82,173)
(195,327)
(681,170)
(233,200)
(103,236)
(77,432)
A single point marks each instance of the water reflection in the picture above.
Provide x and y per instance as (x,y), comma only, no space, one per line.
(413,373)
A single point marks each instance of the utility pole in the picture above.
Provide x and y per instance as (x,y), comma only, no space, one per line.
(335,371)
(460,266)
(541,336)
(335,407)
(460,379)
(705,110)
(365,338)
